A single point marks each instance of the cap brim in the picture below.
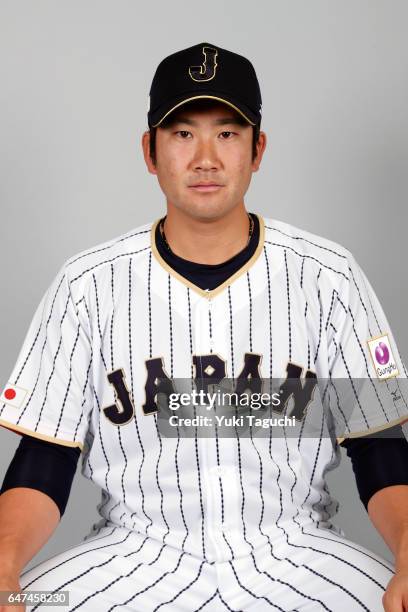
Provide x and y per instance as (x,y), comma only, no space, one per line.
(158,116)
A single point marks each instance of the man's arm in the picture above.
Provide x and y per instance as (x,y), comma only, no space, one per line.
(388,510)
(28,518)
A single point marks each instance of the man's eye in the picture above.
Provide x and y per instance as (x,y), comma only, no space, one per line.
(183,133)
(226,135)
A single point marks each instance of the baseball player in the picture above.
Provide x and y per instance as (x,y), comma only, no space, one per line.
(208,293)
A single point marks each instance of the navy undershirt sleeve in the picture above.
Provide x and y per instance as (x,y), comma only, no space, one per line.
(46,466)
(378,460)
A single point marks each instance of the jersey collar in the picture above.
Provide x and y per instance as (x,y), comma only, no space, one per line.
(208,293)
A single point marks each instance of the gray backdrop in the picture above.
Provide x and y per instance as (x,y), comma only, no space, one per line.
(74,86)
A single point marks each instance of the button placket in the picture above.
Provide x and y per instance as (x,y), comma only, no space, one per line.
(206,446)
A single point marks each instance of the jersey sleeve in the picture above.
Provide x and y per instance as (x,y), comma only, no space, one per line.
(48,394)
(368,378)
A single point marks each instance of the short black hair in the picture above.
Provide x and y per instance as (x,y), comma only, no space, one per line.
(199,105)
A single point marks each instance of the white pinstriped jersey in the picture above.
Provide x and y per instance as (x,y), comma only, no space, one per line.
(300,299)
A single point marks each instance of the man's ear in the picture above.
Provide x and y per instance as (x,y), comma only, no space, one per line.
(260,149)
(146,153)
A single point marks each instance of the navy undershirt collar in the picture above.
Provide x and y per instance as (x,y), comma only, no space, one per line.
(208,276)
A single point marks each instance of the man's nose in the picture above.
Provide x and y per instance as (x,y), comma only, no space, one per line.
(205,156)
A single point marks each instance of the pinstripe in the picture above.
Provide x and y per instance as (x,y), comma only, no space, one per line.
(302,426)
(158,480)
(38,332)
(197,457)
(250,310)
(352,384)
(107,261)
(178,429)
(312,475)
(231,333)
(170,328)
(88,461)
(225,603)
(302,272)
(320,315)
(340,349)
(107,463)
(275,229)
(39,370)
(123,471)
(334,292)
(81,554)
(180,489)
(244,528)
(361,299)
(69,379)
(305,316)
(48,383)
(343,589)
(269,312)
(135,420)
(98,319)
(159,440)
(338,406)
(84,573)
(190,335)
(78,576)
(150,586)
(207,601)
(260,484)
(112,316)
(271,604)
(105,454)
(288,462)
(347,544)
(109,246)
(290,586)
(210,329)
(149,302)
(221,488)
(182,591)
(323,265)
(288,301)
(86,383)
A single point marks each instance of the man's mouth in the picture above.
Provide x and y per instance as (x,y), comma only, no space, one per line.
(205,187)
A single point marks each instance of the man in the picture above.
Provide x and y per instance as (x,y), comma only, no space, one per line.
(208,293)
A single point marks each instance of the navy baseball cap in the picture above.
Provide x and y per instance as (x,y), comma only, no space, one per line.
(204,71)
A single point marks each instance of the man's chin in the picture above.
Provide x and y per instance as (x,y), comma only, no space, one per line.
(208,206)
(206,212)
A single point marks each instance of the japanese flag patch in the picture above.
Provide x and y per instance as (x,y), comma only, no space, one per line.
(13,396)
(382,356)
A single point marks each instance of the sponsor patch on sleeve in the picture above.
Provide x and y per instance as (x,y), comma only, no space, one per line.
(382,356)
(13,396)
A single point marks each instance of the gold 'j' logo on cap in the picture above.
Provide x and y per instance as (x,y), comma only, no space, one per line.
(206,71)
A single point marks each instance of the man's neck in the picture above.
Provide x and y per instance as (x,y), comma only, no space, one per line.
(210,241)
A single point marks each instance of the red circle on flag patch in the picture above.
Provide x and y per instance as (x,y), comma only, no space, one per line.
(9,394)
